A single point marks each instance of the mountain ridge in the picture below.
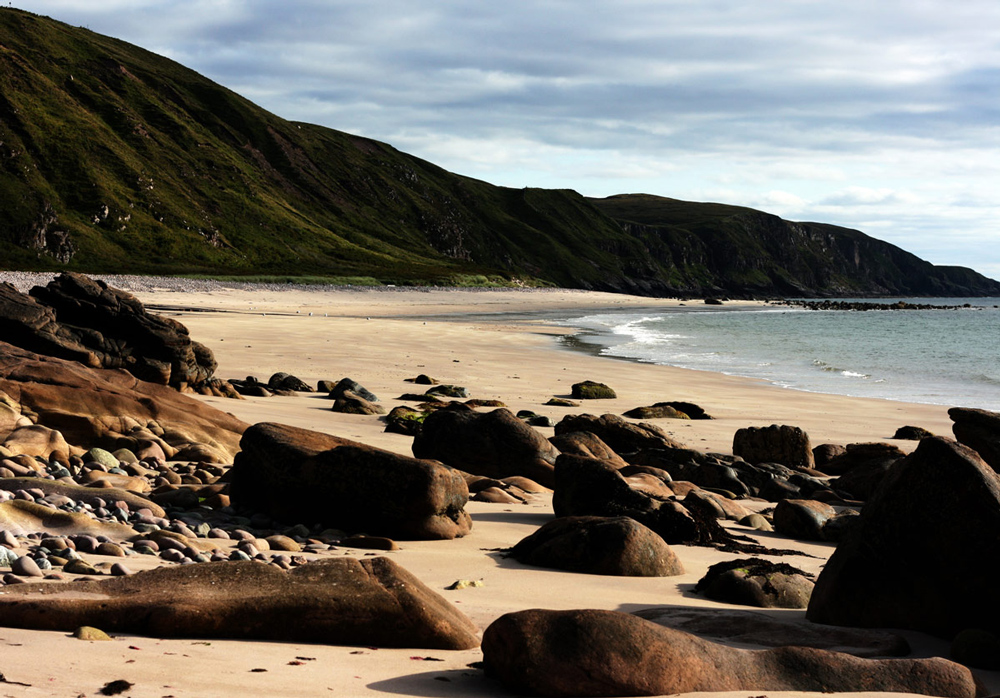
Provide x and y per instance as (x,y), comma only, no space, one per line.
(114,159)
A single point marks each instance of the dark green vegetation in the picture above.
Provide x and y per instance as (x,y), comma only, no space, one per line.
(113,159)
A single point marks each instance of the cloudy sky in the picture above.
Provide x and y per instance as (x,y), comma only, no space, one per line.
(882,116)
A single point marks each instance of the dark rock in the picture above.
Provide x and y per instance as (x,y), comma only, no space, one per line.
(910,433)
(980,431)
(802,519)
(424,379)
(589,390)
(824,453)
(494,444)
(917,558)
(672,409)
(349,385)
(325,386)
(863,467)
(404,420)
(304,476)
(79,319)
(496,495)
(351,403)
(617,546)
(448,391)
(756,628)
(756,582)
(977,648)
(561,402)
(335,601)
(607,653)
(534,419)
(837,527)
(586,444)
(783,444)
(620,435)
(286,381)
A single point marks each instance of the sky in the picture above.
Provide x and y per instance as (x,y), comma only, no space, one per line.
(881,116)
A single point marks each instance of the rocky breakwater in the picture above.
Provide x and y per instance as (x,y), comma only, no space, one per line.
(79,319)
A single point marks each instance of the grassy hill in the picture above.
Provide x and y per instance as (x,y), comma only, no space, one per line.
(114,159)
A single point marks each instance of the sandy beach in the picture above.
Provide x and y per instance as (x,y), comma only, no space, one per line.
(380,338)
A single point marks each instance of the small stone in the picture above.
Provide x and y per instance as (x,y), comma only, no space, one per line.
(120,570)
(112,549)
(465,584)
(25,567)
(91,634)
(79,567)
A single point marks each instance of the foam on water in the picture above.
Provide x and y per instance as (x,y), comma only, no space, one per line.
(949,357)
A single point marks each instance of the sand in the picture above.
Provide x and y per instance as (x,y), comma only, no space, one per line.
(380,338)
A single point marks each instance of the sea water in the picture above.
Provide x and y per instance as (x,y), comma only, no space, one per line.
(942,356)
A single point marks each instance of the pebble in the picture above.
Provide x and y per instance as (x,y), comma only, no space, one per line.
(79,567)
(112,549)
(172,555)
(24,566)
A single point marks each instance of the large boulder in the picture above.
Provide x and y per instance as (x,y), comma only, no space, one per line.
(774,444)
(493,444)
(297,475)
(110,408)
(980,431)
(340,601)
(597,545)
(77,318)
(607,653)
(920,555)
(621,436)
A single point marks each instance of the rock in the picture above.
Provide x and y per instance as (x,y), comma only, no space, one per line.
(286,381)
(369,543)
(669,410)
(99,455)
(589,390)
(76,318)
(351,403)
(756,582)
(756,522)
(756,628)
(977,648)
(824,453)
(298,475)
(837,527)
(88,495)
(910,433)
(110,408)
(280,542)
(424,379)
(586,444)
(561,402)
(621,436)
(448,391)
(871,457)
(371,602)
(119,569)
(348,384)
(607,653)
(533,418)
(784,444)
(24,566)
(91,634)
(802,519)
(325,386)
(404,420)
(493,444)
(917,558)
(617,546)
(80,567)
(495,495)
(23,517)
(979,430)
(36,440)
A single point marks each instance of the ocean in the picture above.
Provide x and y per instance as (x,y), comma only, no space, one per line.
(946,357)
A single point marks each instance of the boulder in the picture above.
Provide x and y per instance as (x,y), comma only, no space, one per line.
(586,444)
(802,519)
(824,453)
(109,407)
(980,431)
(617,546)
(351,403)
(297,475)
(621,436)
(782,444)
(911,433)
(493,444)
(340,601)
(918,558)
(448,391)
(348,384)
(607,653)
(872,457)
(286,381)
(671,410)
(79,319)
(766,630)
(589,390)
(404,420)
(756,582)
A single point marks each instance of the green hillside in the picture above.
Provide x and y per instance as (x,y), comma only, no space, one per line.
(114,159)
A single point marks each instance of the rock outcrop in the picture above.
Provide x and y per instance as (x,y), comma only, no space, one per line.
(606,653)
(340,601)
(77,318)
(301,476)
(980,431)
(782,444)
